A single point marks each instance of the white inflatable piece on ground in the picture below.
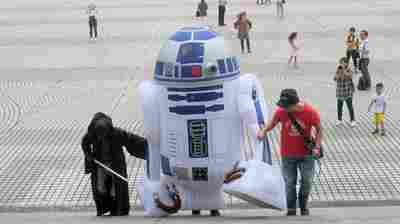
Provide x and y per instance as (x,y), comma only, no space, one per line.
(262,185)
(146,191)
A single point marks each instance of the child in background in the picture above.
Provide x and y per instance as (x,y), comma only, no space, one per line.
(379,104)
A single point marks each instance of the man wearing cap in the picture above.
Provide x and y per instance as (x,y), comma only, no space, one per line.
(294,153)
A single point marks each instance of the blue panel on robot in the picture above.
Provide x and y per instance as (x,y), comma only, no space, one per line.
(235,63)
(230,64)
(191,53)
(159,68)
(198,138)
(204,35)
(181,36)
(165,166)
(221,66)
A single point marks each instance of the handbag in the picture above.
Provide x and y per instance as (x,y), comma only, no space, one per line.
(309,142)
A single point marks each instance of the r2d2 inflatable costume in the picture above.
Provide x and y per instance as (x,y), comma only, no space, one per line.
(195,111)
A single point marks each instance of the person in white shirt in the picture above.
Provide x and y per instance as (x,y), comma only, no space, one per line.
(364,59)
(92,13)
(221,12)
(379,104)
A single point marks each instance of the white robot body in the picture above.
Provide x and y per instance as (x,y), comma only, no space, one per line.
(194,116)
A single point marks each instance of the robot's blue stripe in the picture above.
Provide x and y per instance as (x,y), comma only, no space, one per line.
(196,109)
(203,88)
(260,115)
(181,36)
(193,28)
(204,35)
(196,97)
(147,158)
(236,74)
(267,157)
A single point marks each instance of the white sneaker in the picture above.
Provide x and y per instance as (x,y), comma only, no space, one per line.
(353,124)
(338,123)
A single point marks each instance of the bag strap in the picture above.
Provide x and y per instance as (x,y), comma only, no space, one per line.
(297,126)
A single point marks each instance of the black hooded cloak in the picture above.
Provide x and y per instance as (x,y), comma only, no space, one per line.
(117,140)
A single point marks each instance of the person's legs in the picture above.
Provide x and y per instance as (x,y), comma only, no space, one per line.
(95,28)
(290,60)
(248,44)
(90,28)
(376,122)
(349,103)
(289,170)
(367,75)
(101,181)
(220,15)
(383,132)
(307,174)
(242,44)
(223,16)
(340,109)
(364,71)
(354,55)
(348,55)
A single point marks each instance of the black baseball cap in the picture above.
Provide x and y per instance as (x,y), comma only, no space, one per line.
(288,98)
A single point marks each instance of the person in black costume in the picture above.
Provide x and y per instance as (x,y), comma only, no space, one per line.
(104,142)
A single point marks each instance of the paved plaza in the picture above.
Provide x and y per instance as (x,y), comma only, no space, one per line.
(356,215)
(53,79)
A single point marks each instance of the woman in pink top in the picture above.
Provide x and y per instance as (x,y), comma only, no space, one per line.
(293,41)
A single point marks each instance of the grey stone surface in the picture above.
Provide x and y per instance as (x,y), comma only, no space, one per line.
(356,215)
(53,79)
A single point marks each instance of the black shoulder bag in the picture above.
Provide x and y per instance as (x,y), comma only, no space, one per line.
(309,142)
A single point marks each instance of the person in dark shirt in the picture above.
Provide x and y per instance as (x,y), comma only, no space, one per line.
(104,142)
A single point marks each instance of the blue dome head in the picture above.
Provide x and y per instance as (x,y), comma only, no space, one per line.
(195,54)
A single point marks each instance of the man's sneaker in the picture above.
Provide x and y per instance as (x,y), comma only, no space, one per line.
(215,213)
(305,212)
(353,124)
(338,123)
(383,133)
(375,132)
(291,212)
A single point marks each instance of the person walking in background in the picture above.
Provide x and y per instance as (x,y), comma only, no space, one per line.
(295,155)
(280,11)
(221,12)
(294,53)
(243,25)
(352,43)
(365,80)
(202,8)
(379,104)
(344,90)
(92,13)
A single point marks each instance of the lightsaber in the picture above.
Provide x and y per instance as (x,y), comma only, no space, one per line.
(110,170)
